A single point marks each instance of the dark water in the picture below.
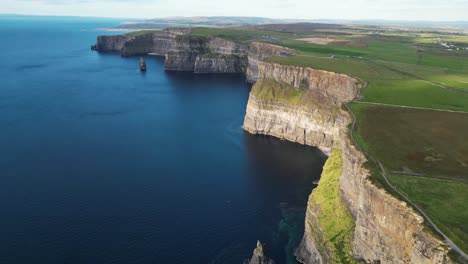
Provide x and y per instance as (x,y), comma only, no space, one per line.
(102,164)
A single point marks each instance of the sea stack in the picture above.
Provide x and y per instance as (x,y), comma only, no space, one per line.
(258,256)
(142,64)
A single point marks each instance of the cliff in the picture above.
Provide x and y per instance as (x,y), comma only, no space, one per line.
(258,52)
(111,43)
(348,218)
(206,55)
(199,54)
(158,42)
(309,115)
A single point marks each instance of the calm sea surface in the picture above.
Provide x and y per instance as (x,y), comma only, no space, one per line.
(102,164)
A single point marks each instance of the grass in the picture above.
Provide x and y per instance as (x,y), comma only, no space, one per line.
(271,90)
(239,35)
(141,33)
(415,141)
(334,219)
(394,83)
(443,201)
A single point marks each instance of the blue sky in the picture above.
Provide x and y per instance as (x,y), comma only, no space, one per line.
(449,10)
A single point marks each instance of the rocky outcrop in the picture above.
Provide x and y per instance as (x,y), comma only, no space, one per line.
(314,121)
(258,256)
(158,42)
(111,43)
(258,52)
(385,229)
(331,89)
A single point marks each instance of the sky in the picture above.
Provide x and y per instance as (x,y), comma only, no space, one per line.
(432,10)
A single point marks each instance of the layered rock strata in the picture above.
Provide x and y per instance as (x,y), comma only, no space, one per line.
(200,54)
(386,230)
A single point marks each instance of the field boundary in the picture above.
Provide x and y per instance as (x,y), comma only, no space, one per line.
(410,107)
(447,240)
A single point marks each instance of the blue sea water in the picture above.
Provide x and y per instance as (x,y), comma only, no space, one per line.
(100,163)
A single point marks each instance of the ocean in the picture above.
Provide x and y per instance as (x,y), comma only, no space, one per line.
(100,163)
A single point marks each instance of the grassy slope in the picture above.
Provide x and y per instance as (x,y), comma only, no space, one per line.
(334,218)
(272,90)
(444,201)
(427,142)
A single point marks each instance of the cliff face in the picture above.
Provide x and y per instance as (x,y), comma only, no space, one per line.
(304,105)
(385,230)
(159,42)
(258,52)
(206,55)
(111,43)
(315,120)
(185,52)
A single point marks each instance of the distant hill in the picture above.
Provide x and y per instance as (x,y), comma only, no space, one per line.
(226,21)
(215,21)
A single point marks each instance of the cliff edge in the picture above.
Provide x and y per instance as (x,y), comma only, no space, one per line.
(348,218)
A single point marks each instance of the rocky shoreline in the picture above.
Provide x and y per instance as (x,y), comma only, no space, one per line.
(384,229)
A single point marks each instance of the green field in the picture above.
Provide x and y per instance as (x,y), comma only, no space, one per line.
(432,143)
(444,201)
(426,152)
(396,83)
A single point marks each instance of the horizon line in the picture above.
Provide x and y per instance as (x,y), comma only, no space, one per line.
(208,16)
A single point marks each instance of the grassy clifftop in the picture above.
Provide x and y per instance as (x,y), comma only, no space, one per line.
(334,218)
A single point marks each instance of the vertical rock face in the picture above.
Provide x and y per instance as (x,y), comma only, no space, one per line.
(111,43)
(260,51)
(200,54)
(386,229)
(206,55)
(259,256)
(159,42)
(332,87)
(316,123)
(209,63)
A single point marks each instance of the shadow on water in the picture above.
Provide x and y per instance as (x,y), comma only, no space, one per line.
(104,164)
(289,169)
